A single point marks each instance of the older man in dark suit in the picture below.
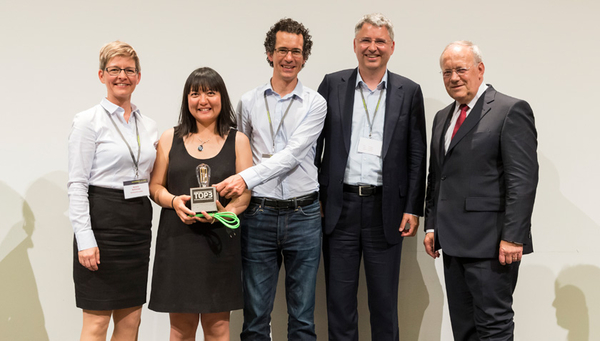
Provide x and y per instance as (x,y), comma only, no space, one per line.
(372,178)
(483,175)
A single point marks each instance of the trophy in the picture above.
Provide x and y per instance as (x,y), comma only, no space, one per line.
(204,198)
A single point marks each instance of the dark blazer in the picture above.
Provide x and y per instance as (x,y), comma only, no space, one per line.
(404,149)
(483,189)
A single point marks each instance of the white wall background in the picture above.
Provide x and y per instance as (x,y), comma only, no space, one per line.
(543,51)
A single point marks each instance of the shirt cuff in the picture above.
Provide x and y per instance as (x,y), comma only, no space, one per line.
(250,177)
(85,240)
(429,231)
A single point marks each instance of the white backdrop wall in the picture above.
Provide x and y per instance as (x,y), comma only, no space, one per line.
(543,51)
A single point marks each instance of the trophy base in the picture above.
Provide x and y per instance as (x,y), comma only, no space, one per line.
(203,199)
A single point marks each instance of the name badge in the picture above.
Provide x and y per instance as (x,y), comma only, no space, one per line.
(370,146)
(136,188)
(267,156)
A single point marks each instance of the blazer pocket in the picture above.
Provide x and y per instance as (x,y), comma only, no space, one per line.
(484,204)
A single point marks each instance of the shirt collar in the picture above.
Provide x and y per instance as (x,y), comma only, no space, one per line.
(297,92)
(381,85)
(114,109)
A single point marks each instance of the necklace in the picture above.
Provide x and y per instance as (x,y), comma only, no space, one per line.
(201,146)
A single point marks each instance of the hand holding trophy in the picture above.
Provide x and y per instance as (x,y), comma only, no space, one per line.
(205,199)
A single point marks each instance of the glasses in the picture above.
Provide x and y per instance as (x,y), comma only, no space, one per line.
(369,41)
(283,51)
(460,71)
(115,71)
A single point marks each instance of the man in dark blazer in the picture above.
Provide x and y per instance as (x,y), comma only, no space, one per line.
(372,180)
(483,174)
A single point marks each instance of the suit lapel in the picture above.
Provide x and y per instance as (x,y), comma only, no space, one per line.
(393,106)
(446,117)
(346,104)
(482,107)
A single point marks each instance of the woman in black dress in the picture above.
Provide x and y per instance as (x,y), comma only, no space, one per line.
(109,145)
(197,267)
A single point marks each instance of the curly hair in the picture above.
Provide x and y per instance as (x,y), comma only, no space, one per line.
(290,26)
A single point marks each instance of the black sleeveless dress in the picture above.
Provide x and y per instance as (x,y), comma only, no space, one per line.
(197,268)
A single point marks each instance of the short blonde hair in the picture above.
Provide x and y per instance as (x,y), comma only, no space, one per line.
(118,49)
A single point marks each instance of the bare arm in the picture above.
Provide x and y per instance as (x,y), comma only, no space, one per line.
(243,157)
(158,180)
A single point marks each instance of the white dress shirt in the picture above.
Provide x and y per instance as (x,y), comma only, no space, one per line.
(448,136)
(364,168)
(290,171)
(98,156)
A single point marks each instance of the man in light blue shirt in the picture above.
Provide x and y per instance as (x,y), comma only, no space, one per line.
(372,181)
(283,120)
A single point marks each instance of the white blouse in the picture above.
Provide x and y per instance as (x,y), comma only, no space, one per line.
(98,156)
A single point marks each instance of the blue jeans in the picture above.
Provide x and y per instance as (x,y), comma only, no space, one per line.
(270,236)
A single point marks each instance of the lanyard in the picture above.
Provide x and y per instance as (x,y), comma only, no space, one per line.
(137,134)
(280,122)
(367,110)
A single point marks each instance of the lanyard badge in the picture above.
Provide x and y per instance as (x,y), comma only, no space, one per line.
(137,187)
(369,145)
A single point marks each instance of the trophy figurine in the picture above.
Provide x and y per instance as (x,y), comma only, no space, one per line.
(204,198)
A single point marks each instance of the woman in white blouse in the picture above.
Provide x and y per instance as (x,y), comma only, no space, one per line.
(112,148)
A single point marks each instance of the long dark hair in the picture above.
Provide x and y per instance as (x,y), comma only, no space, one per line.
(205,79)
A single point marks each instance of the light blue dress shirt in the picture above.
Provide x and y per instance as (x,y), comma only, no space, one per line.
(290,170)
(363,168)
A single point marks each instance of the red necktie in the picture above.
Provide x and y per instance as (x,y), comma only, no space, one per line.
(461,118)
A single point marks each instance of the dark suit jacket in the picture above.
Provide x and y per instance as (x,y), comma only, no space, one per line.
(404,149)
(482,190)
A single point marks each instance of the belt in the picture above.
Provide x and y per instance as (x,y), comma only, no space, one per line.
(292,203)
(363,190)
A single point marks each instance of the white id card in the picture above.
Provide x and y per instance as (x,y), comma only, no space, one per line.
(369,146)
(136,188)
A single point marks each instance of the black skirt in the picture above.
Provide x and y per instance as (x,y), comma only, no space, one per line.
(122,229)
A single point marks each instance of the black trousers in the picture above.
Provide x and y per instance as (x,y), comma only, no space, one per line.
(480,298)
(359,234)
